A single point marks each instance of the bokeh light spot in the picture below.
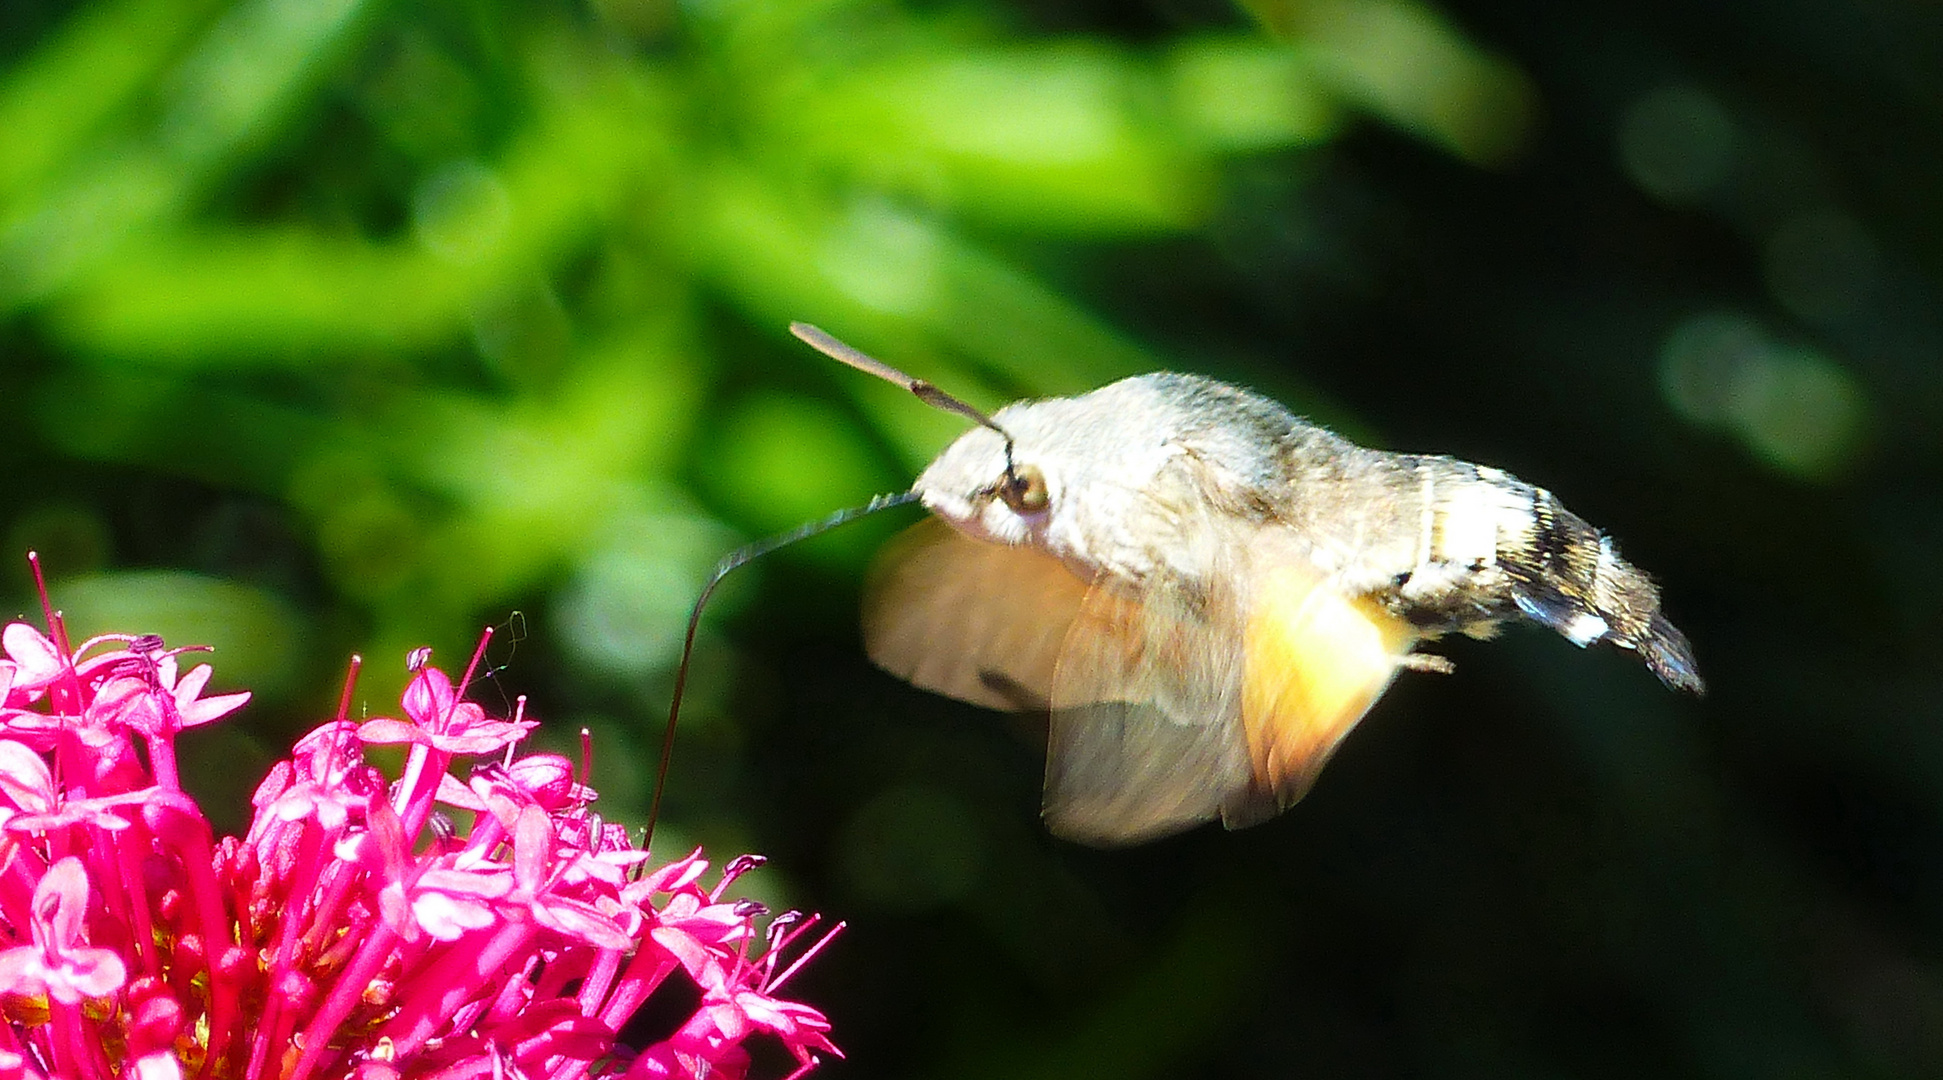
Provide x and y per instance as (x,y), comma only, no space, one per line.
(1677,143)
(1798,411)
(1801,413)
(624,609)
(1703,360)
(884,258)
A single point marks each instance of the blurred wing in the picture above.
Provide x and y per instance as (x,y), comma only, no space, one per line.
(1317,660)
(1144,740)
(976,621)
(1182,705)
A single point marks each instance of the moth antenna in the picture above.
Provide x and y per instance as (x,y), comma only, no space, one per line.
(827,344)
(742,556)
(822,341)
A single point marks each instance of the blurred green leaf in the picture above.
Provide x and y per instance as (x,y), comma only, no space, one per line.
(78,80)
(783,461)
(1242,93)
(225,98)
(254,633)
(1061,138)
(1403,62)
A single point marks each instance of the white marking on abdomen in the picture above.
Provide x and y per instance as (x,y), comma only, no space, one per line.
(1427,524)
(1474,518)
(1585,628)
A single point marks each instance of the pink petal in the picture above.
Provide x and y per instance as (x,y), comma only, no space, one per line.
(194,711)
(385,731)
(678,874)
(88,973)
(324,738)
(429,697)
(449,917)
(275,783)
(763,1011)
(190,685)
(547,777)
(215,708)
(61,899)
(24,778)
(582,921)
(39,662)
(532,843)
(487,886)
(479,739)
(453,793)
(161,1065)
(700,963)
(21,971)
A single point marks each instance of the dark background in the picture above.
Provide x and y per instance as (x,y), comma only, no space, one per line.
(339,327)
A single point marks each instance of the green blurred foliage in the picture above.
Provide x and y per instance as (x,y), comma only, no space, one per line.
(333,326)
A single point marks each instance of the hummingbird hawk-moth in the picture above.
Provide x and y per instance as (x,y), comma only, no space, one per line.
(1206,592)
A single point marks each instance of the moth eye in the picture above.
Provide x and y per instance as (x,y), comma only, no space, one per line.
(1024,490)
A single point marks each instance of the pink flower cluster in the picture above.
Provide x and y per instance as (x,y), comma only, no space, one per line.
(483,924)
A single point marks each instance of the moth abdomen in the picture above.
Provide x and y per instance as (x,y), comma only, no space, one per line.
(1491,547)
(1565,573)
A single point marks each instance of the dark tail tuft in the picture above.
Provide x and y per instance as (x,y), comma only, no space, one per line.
(1569,576)
(1666,652)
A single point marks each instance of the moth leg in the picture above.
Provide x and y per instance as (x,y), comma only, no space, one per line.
(1430,662)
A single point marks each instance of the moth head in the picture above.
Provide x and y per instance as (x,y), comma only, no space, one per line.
(1066,474)
(1085,478)
(984,485)
(975,474)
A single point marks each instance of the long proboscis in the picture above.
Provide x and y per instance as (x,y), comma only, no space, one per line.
(742,556)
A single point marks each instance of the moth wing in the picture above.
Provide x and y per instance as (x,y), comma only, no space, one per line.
(1180,705)
(1318,658)
(976,621)
(1145,739)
